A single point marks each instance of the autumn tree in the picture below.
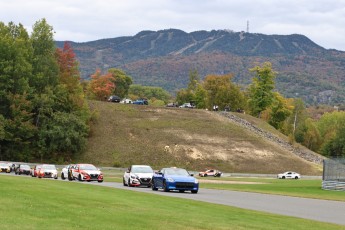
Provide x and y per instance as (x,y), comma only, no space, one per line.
(69,75)
(280,110)
(222,92)
(260,91)
(101,86)
(122,82)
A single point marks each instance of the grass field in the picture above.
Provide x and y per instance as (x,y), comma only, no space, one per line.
(30,203)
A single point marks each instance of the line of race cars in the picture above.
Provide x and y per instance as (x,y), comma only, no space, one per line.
(167,179)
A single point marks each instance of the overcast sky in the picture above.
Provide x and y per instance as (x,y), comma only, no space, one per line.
(323,21)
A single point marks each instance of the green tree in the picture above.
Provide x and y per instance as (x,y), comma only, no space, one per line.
(260,91)
(194,80)
(335,147)
(149,92)
(222,92)
(45,66)
(122,82)
(280,111)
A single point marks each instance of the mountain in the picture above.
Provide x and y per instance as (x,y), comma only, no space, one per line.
(164,58)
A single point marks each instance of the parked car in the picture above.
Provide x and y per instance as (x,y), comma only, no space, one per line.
(23,169)
(211,172)
(187,105)
(126,101)
(174,179)
(172,104)
(47,171)
(141,102)
(86,172)
(138,175)
(289,175)
(65,170)
(114,98)
(4,167)
(34,170)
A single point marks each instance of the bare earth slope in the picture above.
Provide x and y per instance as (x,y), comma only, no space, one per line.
(197,139)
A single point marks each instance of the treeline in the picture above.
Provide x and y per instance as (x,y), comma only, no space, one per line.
(43,112)
(288,115)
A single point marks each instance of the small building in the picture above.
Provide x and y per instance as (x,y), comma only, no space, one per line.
(333,177)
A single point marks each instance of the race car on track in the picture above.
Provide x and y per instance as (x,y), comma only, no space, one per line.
(23,169)
(65,170)
(4,167)
(289,175)
(138,175)
(174,179)
(211,172)
(86,172)
(47,171)
(35,170)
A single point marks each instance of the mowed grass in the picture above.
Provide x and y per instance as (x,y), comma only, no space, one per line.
(31,203)
(298,188)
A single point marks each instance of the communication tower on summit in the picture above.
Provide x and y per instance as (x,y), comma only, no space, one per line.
(247,26)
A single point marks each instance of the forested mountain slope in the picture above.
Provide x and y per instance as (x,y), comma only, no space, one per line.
(164,58)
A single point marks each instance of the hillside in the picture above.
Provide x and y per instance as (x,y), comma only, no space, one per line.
(164,58)
(197,139)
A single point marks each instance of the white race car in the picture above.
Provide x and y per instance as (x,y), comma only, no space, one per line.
(47,171)
(138,175)
(289,175)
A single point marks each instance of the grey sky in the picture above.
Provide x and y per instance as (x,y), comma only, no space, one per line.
(87,20)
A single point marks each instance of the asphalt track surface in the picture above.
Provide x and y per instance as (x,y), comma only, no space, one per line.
(313,209)
(306,208)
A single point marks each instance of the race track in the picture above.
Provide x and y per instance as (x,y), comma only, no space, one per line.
(313,209)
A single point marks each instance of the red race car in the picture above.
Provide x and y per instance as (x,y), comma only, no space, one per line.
(86,172)
(211,172)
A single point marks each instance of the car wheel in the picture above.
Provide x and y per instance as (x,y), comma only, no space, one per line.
(153,186)
(283,177)
(129,183)
(181,191)
(205,175)
(100,181)
(79,177)
(63,176)
(194,191)
(165,187)
(296,177)
(124,182)
(56,177)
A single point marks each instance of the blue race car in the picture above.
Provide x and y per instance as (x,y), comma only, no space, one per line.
(174,179)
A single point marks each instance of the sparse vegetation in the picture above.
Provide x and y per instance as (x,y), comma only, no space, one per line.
(197,139)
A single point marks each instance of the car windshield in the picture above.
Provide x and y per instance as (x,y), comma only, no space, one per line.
(3,165)
(48,167)
(142,169)
(25,166)
(177,171)
(87,167)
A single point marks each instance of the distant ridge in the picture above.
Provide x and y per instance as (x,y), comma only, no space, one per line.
(164,58)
